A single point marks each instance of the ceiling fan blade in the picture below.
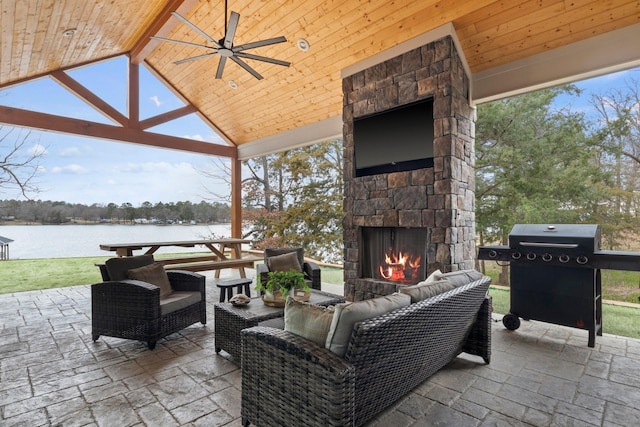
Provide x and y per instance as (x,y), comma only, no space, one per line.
(223,60)
(262,58)
(182,42)
(195,58)
(231,30)
(260,43)
(244,65)
(196,29)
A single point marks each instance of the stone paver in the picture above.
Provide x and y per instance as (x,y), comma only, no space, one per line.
(52,374)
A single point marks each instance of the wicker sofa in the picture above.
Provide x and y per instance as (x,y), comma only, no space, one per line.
(387,357)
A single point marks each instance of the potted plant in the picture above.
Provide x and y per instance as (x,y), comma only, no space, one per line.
(281,284)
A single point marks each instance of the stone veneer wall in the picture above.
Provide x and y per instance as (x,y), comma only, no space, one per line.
(439,198)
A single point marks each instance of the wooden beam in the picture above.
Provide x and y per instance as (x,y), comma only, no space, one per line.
(50,122)
(167,117)
(236,198)
(89,97)
(133,94)
(160,27)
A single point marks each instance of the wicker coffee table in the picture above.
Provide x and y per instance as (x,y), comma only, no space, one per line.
(231,319)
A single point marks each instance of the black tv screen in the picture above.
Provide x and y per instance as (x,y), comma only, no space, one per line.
(395,140)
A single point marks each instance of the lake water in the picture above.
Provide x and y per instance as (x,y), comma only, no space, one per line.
(70,241)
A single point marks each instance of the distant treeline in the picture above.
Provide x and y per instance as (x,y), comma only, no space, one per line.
(51,212)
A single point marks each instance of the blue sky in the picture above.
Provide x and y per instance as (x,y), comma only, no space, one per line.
(83,170)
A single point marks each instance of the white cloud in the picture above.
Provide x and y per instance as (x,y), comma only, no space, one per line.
(70,169)
(156,101)
(70,152)
(162,168)
(37,150)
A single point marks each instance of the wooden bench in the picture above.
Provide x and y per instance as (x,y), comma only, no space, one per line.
(203,263)
(194,264)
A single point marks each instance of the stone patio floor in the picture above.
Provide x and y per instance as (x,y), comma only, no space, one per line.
(52,374)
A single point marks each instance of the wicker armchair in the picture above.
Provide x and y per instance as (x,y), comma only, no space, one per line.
(133,309)
(311,270)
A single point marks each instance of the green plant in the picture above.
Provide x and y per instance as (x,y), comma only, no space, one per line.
(283,281)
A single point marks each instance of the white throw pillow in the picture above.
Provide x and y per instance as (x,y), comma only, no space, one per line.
(423,291)
(349,313)
(433,277)
(308,320)
(461,277)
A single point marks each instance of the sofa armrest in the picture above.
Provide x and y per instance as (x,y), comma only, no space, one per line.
(312,271)
(262,271)
(304,384)
(186,281)
(131,298)
(478,342)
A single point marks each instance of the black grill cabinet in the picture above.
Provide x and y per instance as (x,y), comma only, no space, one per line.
(551,276)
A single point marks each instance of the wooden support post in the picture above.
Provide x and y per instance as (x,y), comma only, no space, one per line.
(236,198)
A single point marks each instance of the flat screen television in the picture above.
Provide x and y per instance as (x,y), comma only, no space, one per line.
(395,140)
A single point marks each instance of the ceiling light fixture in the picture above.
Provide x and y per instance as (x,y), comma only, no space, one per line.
(303,45)
(233,85)
(69,32)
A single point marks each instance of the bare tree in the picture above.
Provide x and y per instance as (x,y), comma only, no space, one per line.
(19,163)
(218,171)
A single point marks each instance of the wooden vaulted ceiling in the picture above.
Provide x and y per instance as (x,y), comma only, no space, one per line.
(508,45)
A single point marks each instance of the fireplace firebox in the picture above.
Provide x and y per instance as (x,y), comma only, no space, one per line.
(394,254)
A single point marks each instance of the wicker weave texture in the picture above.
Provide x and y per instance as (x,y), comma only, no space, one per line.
(388,356)
(131,309)
(290,381)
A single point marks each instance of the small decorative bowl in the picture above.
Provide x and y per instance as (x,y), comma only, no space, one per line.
(240,300)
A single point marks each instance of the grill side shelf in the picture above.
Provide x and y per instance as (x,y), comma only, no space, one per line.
(604,260)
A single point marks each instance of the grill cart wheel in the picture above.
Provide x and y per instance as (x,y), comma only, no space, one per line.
(511,322)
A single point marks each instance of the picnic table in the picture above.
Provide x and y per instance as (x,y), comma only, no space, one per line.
(225,253)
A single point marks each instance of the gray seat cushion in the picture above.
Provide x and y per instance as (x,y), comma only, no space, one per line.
(178,300)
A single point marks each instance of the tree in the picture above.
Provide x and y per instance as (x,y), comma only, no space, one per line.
(534,164)
(295,199)
(18,164)
(617,129)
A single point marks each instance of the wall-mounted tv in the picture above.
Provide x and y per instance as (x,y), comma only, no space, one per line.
(395,140)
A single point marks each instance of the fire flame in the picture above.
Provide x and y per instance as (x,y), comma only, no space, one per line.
(400,268)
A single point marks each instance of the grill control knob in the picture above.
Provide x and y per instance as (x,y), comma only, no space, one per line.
(531,256)
(582,259)
(493,254)
(563,258)
(516,255)
(547,257)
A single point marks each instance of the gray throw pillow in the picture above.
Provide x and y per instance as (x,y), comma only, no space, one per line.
(117,267)
(284,262)
(308,320)
(154,274)
(347,314)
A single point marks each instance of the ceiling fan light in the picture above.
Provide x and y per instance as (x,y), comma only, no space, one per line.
(303,45)
(233,85)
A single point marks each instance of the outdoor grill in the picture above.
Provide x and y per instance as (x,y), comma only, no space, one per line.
(555,274)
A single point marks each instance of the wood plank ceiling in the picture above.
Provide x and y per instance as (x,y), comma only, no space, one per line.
(340,33)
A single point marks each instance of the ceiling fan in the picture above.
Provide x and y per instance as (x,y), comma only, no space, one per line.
(225,47)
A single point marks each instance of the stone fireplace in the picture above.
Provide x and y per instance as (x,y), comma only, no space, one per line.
(433,204)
